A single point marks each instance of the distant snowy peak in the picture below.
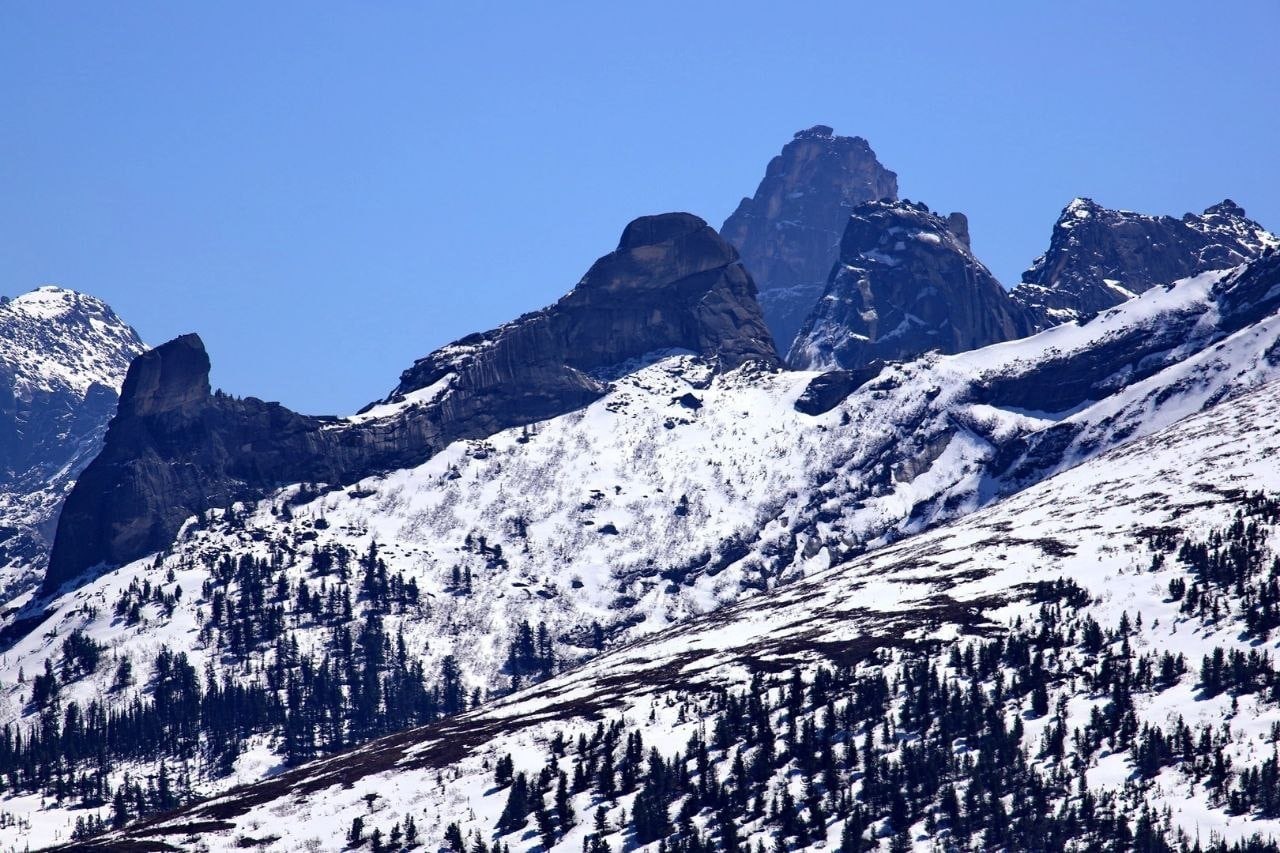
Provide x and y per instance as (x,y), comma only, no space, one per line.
(63,356)
(788,233)
(57,338)
(1100,257)
(905,284)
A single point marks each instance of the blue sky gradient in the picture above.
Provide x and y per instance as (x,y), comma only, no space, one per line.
(326,191)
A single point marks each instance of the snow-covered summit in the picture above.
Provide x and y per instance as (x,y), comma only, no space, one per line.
(54,338)
(63,356)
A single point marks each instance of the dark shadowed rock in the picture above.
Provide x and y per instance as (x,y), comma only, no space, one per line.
(788,233)
(175,449)
(829,390)
(905,284)
(958,224)
(1098,257)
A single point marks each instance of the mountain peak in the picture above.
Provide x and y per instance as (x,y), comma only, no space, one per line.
(51,300)
(818,131)
(63,355)
(1226,207)
(658,228)
(172,377)
(1099,257)
(174,450)
(906,283)
(788,233)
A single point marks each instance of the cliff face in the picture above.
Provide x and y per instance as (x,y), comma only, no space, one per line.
(905,284)
(1098,258)
(671,283)
(789,232)
(175,449)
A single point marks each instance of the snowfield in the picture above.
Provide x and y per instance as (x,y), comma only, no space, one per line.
(1091,524)
(702,526)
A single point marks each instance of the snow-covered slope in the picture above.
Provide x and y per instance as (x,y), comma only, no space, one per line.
(679,491)
(1108,528)
(62,357)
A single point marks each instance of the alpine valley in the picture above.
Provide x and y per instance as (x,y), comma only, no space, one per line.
(806,533)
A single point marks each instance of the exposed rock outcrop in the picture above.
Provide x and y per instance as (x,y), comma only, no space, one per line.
(828,390)
(175,449)
(905,284)
(789,232)
(1098,257)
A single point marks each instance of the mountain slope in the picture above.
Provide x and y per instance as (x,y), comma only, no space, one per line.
(680,490)
(788,233)
(1098,257)
(62,358)
(1092,572)
(905,284)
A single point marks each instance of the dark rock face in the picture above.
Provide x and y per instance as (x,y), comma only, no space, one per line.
(789,232)
(671,283)
(1098,257)
(62,357)
(175,449)
(830,389)
(905,284)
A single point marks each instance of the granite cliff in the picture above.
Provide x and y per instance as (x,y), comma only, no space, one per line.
(789,232)
(175,448)
(905,284)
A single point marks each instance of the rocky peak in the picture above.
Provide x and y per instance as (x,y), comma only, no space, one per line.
(171,378)
(671,284)
(788,233)
(1226,207)
(54,339)
(655,230)
(905,284)
(1099,257)
(958,224)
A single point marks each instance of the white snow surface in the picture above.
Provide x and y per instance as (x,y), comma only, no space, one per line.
(54,338)
(639,512)
(1087,524)
(55,345)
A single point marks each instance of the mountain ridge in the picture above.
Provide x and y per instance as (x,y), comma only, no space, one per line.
(972,579)
(1099,257)
(671,283)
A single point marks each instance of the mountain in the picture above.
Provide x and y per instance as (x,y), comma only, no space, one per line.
(176,450)
(1098,257)
(62,358)
(1076,667)
(275,631)
(905,284)
(788,233)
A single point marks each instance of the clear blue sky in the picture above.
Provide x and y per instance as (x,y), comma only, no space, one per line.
(326,191)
